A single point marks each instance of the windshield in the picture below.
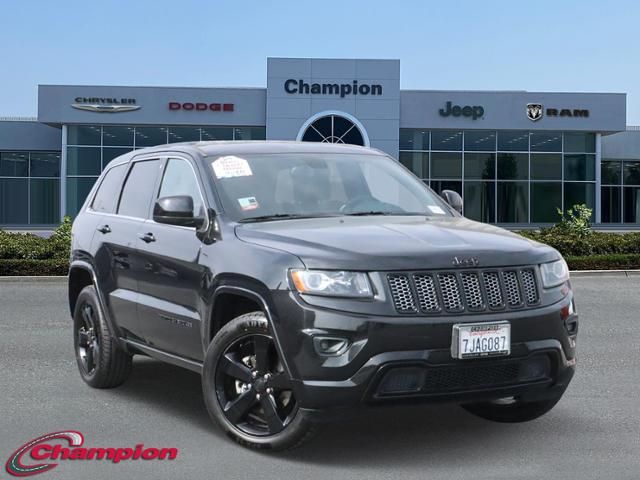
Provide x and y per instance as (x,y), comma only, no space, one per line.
(280,186)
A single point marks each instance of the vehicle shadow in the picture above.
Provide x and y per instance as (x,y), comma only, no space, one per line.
(433,435)
(173,390)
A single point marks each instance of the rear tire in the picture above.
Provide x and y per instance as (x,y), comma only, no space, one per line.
(515,412)
(247,390)
(101,361)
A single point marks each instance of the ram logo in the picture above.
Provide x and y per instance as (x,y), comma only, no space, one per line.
(534,111)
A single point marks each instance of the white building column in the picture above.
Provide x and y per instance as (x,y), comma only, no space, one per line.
(63,174)
(598,177)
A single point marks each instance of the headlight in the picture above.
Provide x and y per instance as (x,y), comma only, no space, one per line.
(332,283)
(554,273)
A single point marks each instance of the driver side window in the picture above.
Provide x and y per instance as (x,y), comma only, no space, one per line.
(179,179)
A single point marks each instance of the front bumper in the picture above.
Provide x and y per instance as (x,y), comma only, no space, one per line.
(394,359)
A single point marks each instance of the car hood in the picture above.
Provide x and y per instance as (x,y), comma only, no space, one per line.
(377,243)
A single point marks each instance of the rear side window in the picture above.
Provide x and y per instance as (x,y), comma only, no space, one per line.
(108,192)
(138,189)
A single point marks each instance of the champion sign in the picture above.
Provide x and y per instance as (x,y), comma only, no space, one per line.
(40,455)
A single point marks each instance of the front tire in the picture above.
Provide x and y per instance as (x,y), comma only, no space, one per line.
(247,390)
(101,361)
(511,410)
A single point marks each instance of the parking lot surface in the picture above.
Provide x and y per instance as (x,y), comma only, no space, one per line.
(594,432)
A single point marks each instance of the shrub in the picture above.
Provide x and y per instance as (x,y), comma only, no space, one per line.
(31,267)
(575,221)
(32,247)
(605,262)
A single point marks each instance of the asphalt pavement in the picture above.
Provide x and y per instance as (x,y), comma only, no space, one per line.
(594,432)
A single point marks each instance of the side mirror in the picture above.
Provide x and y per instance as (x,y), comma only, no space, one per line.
(454,199)
(177,210)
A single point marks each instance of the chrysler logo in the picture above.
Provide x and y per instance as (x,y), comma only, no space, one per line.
(465,261)
(534,111)
(105,105)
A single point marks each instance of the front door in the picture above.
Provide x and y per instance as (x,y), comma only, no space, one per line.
(170,284)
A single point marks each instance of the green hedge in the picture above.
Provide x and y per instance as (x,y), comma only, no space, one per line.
(30,267)
(605,262)
(28,254)
(28,246)
(595,243)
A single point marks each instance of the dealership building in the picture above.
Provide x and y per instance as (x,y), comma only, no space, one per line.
(514,156)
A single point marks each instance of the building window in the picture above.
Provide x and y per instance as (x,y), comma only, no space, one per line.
(611,199)
(513,141)
(620,181)
(333,129)
(510,176)
(29,188)
(90,148)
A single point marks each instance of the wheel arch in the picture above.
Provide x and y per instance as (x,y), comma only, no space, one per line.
(81,272)
(81,275)
(248,294)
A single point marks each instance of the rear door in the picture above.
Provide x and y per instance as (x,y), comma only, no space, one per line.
(117,259)
(171,284)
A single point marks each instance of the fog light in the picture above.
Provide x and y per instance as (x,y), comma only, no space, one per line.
(330,346)
(533,368)
(402,380)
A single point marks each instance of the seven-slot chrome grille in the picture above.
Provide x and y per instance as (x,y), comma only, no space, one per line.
(464,291)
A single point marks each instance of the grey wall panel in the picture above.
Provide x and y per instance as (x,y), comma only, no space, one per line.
(18,135)
(508,110)
(54,105)
(624,145)
(378,109)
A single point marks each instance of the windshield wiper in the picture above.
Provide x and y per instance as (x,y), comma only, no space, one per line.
(280,216)
(378,212)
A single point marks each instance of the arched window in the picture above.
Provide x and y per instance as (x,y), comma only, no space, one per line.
(333,129)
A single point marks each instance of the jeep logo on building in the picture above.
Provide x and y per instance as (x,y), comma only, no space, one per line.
(475,112)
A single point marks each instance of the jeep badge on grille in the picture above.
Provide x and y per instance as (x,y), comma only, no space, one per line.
(465,262)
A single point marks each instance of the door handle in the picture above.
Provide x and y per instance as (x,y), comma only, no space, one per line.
(147,237)
(104,229)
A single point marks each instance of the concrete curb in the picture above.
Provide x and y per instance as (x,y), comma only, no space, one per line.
(37,279)
(600,273)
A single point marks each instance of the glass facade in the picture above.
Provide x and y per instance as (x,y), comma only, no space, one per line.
(29,188)
(506,176)
(90,148)
(620,190)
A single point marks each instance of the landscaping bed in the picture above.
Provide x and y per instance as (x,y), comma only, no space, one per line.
(584,249)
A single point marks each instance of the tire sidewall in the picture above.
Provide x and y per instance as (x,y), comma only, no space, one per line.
(88,296)
(251,323)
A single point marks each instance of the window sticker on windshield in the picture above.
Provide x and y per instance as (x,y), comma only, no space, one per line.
(437,210)
(248,203)
(231,166)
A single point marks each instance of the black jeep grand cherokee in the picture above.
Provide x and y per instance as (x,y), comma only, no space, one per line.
(303,279)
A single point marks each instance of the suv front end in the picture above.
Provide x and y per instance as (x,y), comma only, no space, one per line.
(395,338)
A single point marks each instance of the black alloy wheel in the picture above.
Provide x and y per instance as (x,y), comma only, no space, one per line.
(252,387)
(102,362)
(87,340)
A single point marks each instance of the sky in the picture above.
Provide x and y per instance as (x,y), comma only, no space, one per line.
(581,46)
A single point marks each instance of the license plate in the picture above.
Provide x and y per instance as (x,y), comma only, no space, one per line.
(471,340)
